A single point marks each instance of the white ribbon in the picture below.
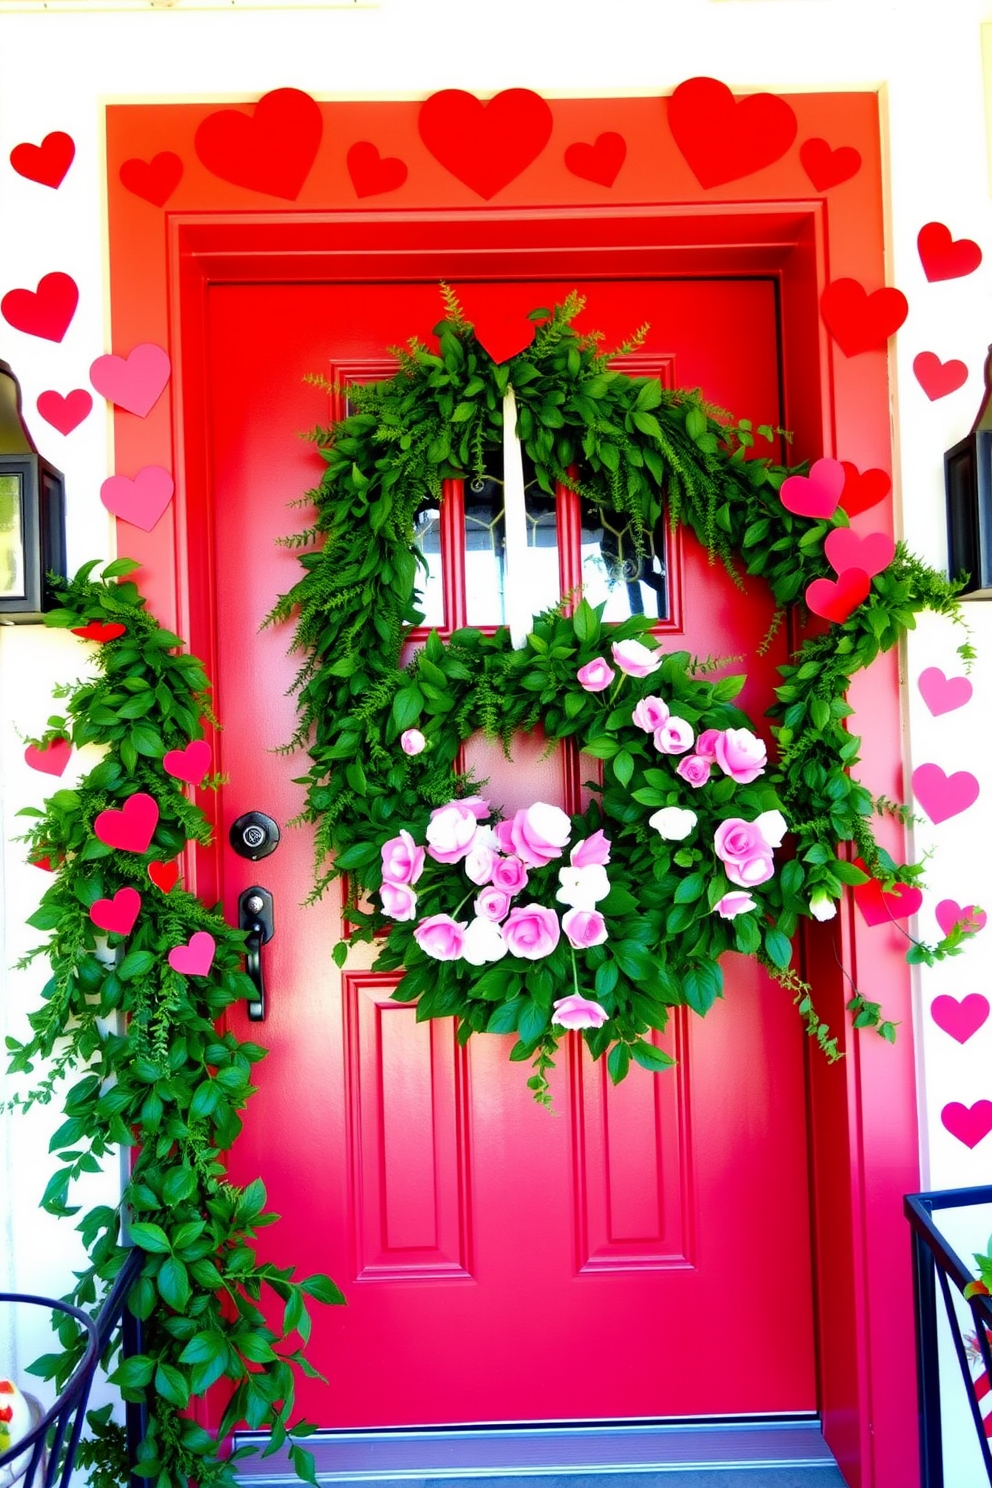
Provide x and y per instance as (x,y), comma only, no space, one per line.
(516,606)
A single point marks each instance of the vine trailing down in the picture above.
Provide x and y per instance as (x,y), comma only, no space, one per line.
(696,842)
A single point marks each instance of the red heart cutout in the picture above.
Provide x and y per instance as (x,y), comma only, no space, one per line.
(501,326)
(960,1019)
(944,258)
(45,864)
(45,311)
(131,829)
(64,413)
(189,764)
(98,631)
(46,163)
(938,378)
(485,145)
(845,549)
(163,875)
(600,161)
(722,137)
(816,494)
(827,167)
(859,321)
(943,796)
(836,601)
(371,173)
(135,382)
(51,759)
(270,150)
(140,501)
(863,489)
(949,913)
(880,908)
(153,180)
(118,914)
(968,1123)
(943,694)
(196,957)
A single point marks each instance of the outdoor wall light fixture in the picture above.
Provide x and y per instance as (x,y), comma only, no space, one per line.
(968,484)
(32,515)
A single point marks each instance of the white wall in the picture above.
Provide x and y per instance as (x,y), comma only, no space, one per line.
(58,69)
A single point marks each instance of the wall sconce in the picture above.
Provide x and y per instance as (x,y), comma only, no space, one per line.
(32,515)
(968,485)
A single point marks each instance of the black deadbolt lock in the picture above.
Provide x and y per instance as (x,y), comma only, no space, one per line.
(254,835)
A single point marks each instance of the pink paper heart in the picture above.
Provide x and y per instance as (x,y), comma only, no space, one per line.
(64,413)
(960,1019)
(52,759)
(968,1123)
(950,913)
(195,958)
(118,914)
(140,501)
(845,549)
(836,601)
(131,829)
(943,796)
(816,494)
(879,908)
(135,382)
(189,764)
(943,694)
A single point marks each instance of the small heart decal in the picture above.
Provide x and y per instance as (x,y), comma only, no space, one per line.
(599,162)
(880,908)
(371,173)
(968,1123)
(845,549)
(837,600)
(64,413)
(859,321)
(118,914)
(938,378)
(501,327)
(960,1019)
(943,796)
(944,258)
(943,694)
(153,180)
(164,875)
(827,167)
(722,137)
(816,494)
(196,957)
(46,163)
(45,864)
(45,311)
(189,764)
(272,149)
(132,828)
(863,489)
(949,913)
(485,144)
(50,759)
(98,631)
(135,382)
(140,501)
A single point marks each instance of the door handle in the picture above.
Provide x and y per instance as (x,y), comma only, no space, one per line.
(255,916)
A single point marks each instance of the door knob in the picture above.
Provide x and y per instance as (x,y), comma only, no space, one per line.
(254,835)
(255,916)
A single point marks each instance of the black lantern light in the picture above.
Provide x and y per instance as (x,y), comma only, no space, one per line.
(32,514)
(968,484)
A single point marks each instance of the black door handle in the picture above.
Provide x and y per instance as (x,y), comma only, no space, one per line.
(255,916)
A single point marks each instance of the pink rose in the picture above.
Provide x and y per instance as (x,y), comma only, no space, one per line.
(695,768)
(674,737)
(509,874)
(734,904)
(493,904)
(480,863)
(746,856)
(539,833)
(441,937)
(750,871)
(595,676)
(532,931)
(412,741)
(402,859)
(576,1011)
(584,928)
(479,808)
(635,659)
(399,901)
(590,851)
(451,832)
(650,714)
(741,755)
(706,743)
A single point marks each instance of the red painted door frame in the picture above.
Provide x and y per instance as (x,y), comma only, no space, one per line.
(863,1130)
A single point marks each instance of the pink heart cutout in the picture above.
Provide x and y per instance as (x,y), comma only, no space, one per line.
(189,764)
(118,914)
(968,1123)
(816,494)
(195,958)
(879,908)
(943,694)
(131,829)
(52,759)
(943,796)
(845,549)
(836,601)
(135,382)
(950,913)
(960,1019)
(140,501)
(64,413)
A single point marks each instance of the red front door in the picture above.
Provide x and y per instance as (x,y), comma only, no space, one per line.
(641,1252)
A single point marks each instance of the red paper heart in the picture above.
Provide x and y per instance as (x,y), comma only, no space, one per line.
(485,145)
(722,137)
(371,173)
(153,180)
(163,875)
(949,913)
(272,149)
(135,382)
(836,601)
(45,864)
(45,311)
(140,501)
(46,163)
(816,494)
(98,631)
(189,764)
(600,161)
(52,759)
(118,914)
(195,958)
(827,167)
(943,694)
(880,908)
(938,378)
(960,1019)
(64,413)
(131,829)
(500,325)
(863,489)
(968,1123)
(859,321)
(844,549)
(943,796)
(944,258)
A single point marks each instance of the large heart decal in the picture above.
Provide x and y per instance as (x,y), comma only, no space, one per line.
(140,501)
(863,489)
(196,957)
(46,163)
(50,760)
(131,829)
(960,1019)
(968,1123)
(938,378)
(99,631)
(816,494)
(45,311)
(836,601)
(944,258)
(485,144)
(943,796)
(722,137)
(118,914)
(880,908)
(859,321)
(943,694)
(189,764)
(950,913)
(371,173)
(599,162)
(270,150)
(64,413)
(844,549)
(827,167)
(153,180)
(135,382)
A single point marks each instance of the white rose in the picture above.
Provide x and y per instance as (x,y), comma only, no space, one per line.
(674,823)
(773,826)
(483,942)
(821,906)
(583,888)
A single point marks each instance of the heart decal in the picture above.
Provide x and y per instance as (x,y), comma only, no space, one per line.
(131,829)
(163,875)
(189,764)
(816,494)
(45,311)
(98,631)
(485,144)
(944,258)
(968,1123)
(502,327)
(135,382)
(51,759)
(153,180)
(140,501)
(943,694)
(836,601)
(722,137)
(118,914)
(938,378)
(949,913)
(371,173)
(863,489)
(859,321)
(196,957)
(64,413)
(45,864)
(960,1019)
(827,167)
(599,162)
(880,908)
(271,149)
(943,796)
(844,549)
(46,163)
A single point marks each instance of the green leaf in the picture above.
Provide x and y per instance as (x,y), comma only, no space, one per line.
(408,704)
(650,1058)
(150,1237)
(779,947)
(173,1284)
(172,1385)
(134,1373)
(623,766)
(618,1062)
(322,1289)
(585,623)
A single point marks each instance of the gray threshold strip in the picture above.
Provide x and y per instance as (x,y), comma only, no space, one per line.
(363,1456)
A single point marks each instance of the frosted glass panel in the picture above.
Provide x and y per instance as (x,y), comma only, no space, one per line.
(485,552)
(427,537)
(11,538)
(631,583)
